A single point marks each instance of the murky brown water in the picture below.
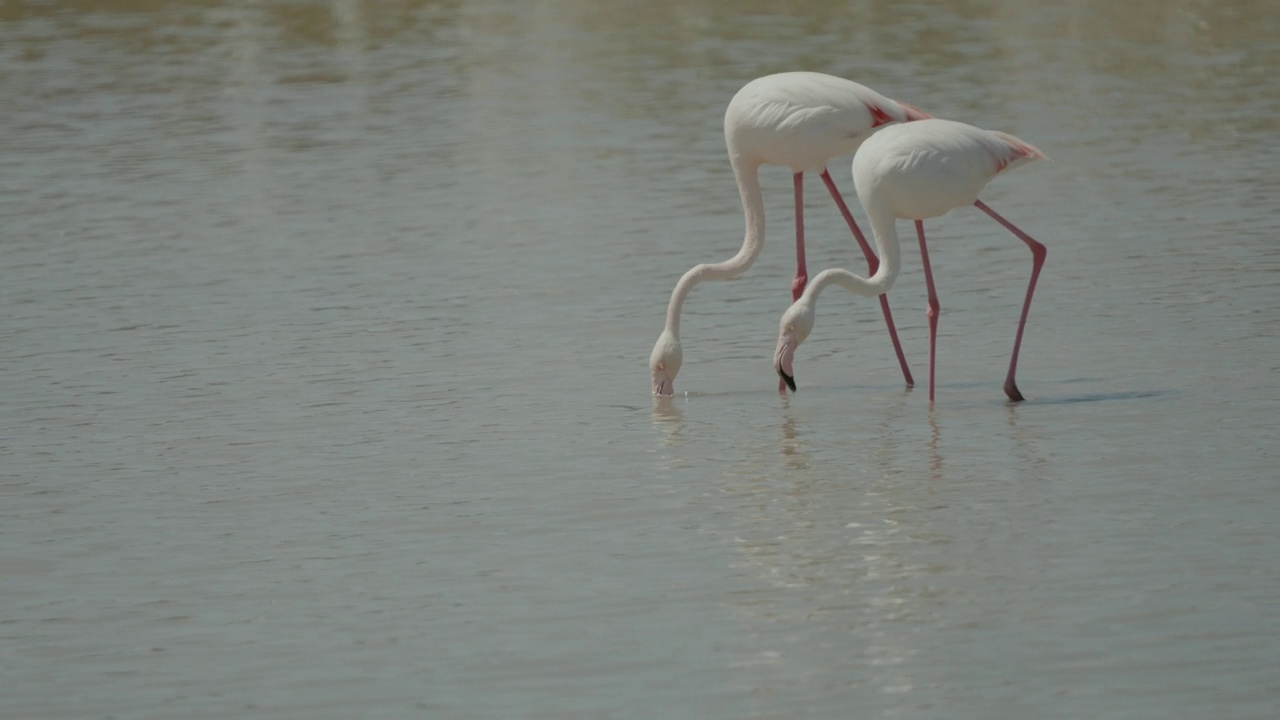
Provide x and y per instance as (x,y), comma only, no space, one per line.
(324,386)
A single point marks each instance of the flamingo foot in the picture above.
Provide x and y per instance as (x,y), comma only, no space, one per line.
(1011,389)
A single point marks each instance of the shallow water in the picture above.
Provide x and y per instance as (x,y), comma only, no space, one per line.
(324,386)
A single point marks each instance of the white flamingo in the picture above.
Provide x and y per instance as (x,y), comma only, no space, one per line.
(911,172)
(801,120)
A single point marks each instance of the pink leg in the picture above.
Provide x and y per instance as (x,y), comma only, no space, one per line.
(802,271)
(872,263)
(933,306)
(1038,253)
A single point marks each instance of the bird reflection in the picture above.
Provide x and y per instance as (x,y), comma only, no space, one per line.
(1025,436)
(792,446)
(668,420)
(839,542)
(935,456)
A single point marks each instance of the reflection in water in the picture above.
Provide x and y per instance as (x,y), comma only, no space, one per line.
(792,446)
(1025,433)
(668,420)
(861,539)
(668,424)
(831,536)
(935,456)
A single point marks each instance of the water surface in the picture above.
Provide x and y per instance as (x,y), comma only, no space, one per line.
(324,387)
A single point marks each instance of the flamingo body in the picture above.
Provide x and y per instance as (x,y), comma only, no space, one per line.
(803,119)
(933,167)
(799,120)
(916,171)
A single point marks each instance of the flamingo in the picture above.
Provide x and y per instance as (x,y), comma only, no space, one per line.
(911,172)
(801,120)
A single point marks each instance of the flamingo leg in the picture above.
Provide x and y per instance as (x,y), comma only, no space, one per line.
(802,271)
(934,306)
(872,264)
(1038,253)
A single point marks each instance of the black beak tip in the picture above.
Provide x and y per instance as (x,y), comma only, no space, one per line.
(790,381)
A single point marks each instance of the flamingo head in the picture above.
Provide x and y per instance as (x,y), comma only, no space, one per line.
(665,363)
(793,329)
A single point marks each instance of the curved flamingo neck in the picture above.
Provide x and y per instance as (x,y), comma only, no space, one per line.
(885,232)
(752,243)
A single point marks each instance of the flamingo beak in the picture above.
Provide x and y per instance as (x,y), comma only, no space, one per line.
(782,362)
(662,385)
(790,381)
